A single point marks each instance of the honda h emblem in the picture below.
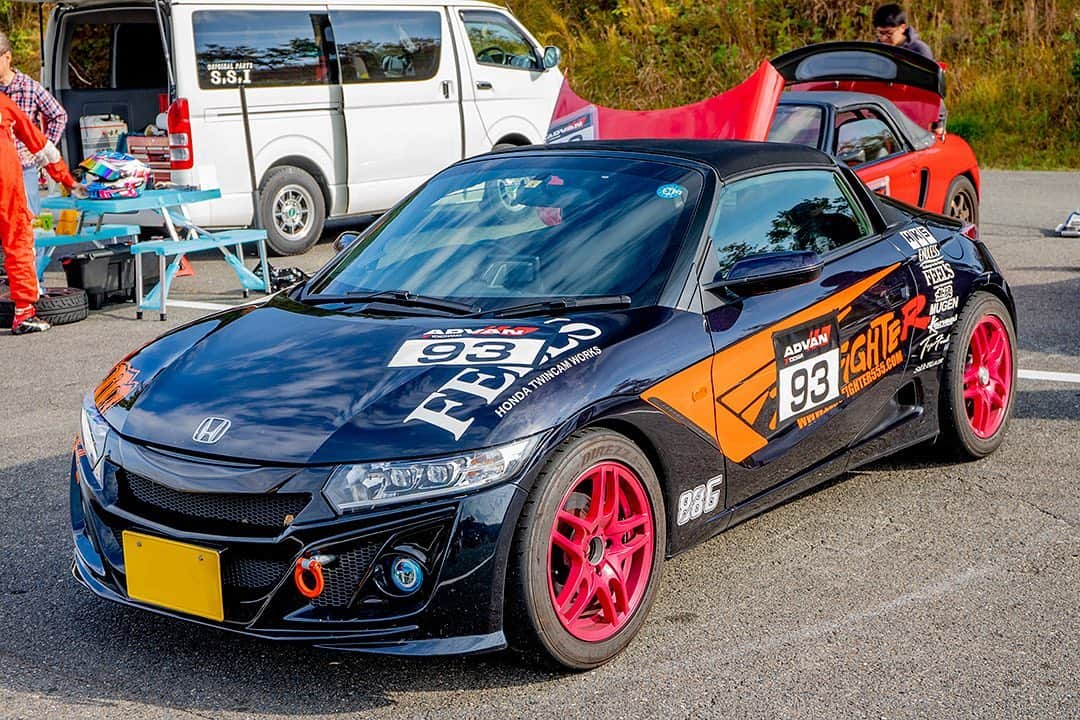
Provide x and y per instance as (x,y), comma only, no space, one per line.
(211,430)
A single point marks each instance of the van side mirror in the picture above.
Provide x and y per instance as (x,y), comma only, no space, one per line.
(760,274)
(552,56)
(345,239)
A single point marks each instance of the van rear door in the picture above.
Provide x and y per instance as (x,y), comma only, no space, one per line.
(401,95)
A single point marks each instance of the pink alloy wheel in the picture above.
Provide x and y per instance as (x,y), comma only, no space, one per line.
(988,376)
(601,553)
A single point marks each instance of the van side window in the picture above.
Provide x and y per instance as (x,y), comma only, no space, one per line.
(387,46)
(262,48)
(784,211)
(496,40)
(89,56)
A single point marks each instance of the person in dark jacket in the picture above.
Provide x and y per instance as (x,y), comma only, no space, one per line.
(891,26)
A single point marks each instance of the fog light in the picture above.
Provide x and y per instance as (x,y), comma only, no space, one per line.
(406,574)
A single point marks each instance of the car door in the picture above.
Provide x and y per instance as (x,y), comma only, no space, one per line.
(799,372)
(514,94)
(402,99)
(866,142)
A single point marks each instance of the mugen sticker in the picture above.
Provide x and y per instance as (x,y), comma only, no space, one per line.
(808,367)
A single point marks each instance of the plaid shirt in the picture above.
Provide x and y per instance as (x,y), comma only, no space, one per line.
(37,103)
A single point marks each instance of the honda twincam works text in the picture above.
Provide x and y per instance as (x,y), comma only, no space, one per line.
(489,420)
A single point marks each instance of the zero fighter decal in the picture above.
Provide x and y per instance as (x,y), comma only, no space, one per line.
(745,375)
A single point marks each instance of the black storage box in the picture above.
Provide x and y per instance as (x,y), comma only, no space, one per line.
(108,274)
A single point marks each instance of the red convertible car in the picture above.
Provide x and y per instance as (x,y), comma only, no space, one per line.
(871,105)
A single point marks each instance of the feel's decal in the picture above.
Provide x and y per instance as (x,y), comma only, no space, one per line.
(808,367)
(745,376)
(492,367)
(117,385)
(699,501)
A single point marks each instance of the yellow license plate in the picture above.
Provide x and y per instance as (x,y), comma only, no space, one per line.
(173,575)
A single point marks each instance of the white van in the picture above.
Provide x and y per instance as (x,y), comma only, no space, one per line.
(351,104)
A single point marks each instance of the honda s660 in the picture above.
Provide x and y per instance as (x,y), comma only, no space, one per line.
(490,419)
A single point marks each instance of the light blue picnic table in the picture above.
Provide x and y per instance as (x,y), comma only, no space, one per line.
(184,237)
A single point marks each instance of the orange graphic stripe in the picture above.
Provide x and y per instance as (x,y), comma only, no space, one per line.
(739,364)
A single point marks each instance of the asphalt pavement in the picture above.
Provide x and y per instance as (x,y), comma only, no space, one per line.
(910,588)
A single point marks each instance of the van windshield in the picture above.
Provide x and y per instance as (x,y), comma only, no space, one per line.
(495,232)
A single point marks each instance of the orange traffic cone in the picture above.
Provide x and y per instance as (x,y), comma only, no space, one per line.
(185,269)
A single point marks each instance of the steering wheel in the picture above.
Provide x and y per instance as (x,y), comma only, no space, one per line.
(489,54)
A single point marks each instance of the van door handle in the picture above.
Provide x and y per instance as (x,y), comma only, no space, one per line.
(483,85)
(447,85)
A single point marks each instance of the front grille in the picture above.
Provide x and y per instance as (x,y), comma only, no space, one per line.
(346,573)
(253,573)
(241,513)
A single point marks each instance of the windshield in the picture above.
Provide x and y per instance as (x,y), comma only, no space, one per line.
(518,228)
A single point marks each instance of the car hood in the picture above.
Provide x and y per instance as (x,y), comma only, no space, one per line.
(294,383)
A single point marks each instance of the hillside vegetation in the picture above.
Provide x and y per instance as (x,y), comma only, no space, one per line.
(1013,75)
(1013,65)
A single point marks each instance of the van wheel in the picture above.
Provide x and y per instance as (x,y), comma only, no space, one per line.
(291,210)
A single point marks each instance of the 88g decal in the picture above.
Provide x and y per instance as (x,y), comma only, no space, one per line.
(701,500)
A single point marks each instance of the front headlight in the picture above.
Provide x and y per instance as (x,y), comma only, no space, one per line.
(361,486)
(94,429)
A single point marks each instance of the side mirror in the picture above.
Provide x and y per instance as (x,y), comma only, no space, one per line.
(345,239)
(760,274)
(852,157)
(552,56)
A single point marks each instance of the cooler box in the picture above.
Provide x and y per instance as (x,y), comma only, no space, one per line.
(101,133)
(108,274)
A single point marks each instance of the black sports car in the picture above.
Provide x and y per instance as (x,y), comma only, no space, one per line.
(488,420)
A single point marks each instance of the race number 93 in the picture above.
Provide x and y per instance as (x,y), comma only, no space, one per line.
(701,500)
(806,385)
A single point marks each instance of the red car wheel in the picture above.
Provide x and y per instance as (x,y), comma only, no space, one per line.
(587,553)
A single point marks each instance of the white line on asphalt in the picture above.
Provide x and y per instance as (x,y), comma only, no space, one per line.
(199,305)
(1050,376)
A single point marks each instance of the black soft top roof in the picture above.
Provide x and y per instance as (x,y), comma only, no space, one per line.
(727,157)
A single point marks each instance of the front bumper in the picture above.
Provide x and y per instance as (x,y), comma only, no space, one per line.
(463,543)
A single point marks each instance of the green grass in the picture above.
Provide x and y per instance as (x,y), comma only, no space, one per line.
(1013,77)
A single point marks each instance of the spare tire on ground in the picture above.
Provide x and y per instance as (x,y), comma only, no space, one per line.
(56,306)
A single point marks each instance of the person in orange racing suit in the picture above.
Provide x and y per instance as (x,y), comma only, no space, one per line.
(16,234)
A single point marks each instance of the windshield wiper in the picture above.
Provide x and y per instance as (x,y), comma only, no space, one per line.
(395,297)
(560,304)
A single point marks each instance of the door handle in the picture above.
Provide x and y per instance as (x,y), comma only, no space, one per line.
(447,86)
(483,85)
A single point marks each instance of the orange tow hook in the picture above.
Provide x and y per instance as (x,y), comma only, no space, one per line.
(308,576)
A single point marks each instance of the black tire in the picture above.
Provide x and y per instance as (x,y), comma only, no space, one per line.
(292,210)
(498,196)
(962,201)
(959,438)
(56,306)
(532,623)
